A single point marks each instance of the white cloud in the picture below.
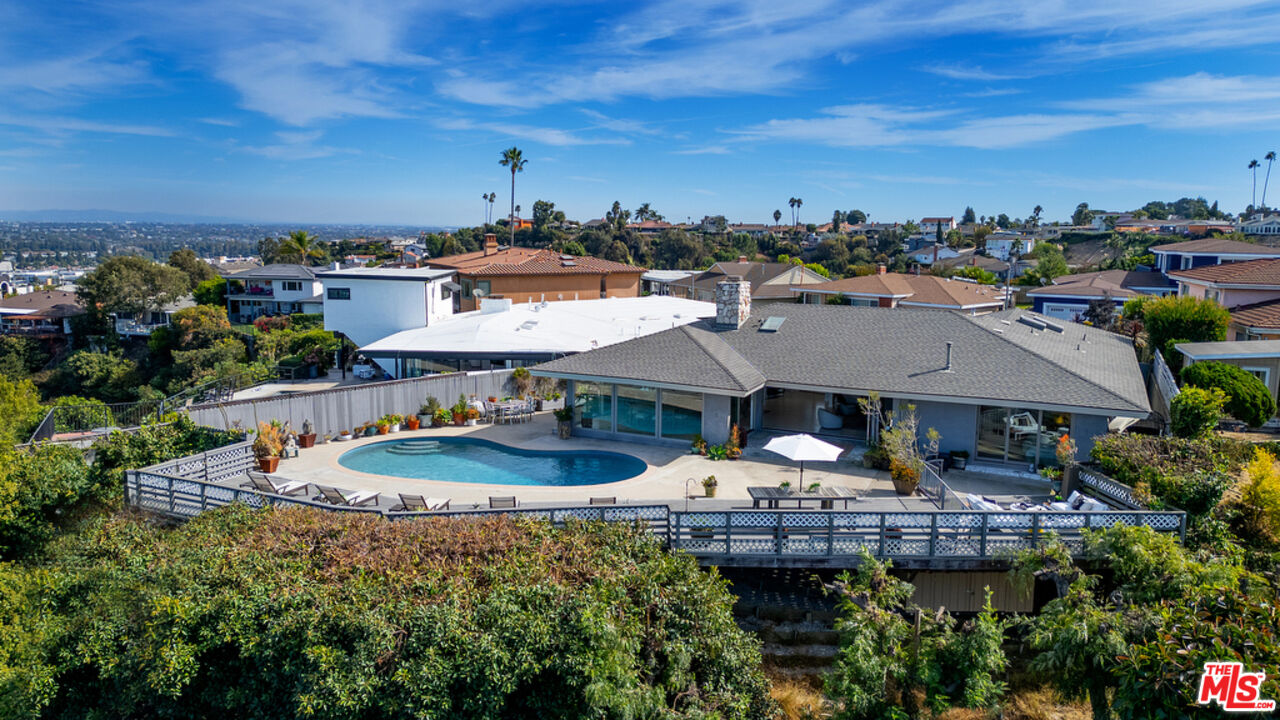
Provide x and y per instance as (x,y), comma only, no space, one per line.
(544,135)
(968,72)
(705,150)
(297,145)
(71,124)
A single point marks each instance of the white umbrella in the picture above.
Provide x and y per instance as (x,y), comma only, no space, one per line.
(803,448)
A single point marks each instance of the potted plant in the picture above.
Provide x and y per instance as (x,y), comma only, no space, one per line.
(412,422)
(382,427)
(394,421)
(900,439)
(564,422)
(324,440)
(307,437)
(709,485)
(441,417)
(473,416)
(427,413)
(814,487)
(267,446)
(370,429)
(493,398)
(460,410)
(345,435)
(716,452)
(699,446)
(732,448)
(785,486)
(959,459)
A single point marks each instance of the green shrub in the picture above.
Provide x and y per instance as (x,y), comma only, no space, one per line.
(149,445)
(306,613)
(77,414)
(1248,400)
(20,411)
(1195,412)
(36,486)
(1181,318)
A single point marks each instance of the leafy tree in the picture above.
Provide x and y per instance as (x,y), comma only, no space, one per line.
(1248,399)
(21,410)
(617,217)
(1172,319)
(1003,221)
(36,486)
(20,357)
(244,613)
(269,250)
(969,218)
(211,292)
(197,270)
(544,215)
(1195,412)
(1101,312)
(109,377)
(128,284)
(837,218)
(853,217)
(1258,511)
(513,159)
(972,272)
(1082,215)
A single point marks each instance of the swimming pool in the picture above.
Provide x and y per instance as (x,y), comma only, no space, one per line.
(471,460)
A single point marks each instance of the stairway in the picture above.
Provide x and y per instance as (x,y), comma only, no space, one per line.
(415,447)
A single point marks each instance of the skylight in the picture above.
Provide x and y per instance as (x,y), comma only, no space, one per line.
(772,323)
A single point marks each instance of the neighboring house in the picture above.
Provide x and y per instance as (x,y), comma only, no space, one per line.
(366,304)
(650,227)
(1004,387)
(659,282)
(970,258)
(523,274)
(1208,251)
(999,245)
(755,230)
(770,282)
(890,290)
(1260,358)
(273,290)
(1196,228)
(1261,225)
(930,224)
(1231,284)
(506,334)
(1100,218)
(931,254)
(1259,321)
(144,323)
(1069,296)
(41,314)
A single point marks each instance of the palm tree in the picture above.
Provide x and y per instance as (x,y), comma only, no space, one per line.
(792,203)
(1253,165)
(1270,158)
(799,202)
(514,159)
(777,216)
(485,198)
(1036,215)
(493,197)
(301,247)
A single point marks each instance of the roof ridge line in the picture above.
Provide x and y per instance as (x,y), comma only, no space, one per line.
(707,351)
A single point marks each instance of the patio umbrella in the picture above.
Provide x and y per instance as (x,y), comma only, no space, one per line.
(803,448)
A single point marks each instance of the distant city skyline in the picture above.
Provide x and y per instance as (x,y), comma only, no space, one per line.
(384,112)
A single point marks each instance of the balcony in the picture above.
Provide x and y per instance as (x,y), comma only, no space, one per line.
(133,328)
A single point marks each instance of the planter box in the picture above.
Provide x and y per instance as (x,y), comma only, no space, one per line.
(268,464)
(306,441)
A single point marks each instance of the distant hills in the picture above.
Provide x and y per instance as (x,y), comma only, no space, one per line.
(115,216)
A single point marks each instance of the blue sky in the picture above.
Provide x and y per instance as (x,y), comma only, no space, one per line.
(396,112)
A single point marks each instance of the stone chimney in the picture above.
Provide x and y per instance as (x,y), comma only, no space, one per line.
(490,244)
(733,302)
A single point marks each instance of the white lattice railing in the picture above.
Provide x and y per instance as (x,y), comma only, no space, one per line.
(1109,489)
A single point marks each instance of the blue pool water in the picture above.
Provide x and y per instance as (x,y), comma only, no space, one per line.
(471,460)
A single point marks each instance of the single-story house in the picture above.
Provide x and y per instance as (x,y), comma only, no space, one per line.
(890,290)
(44,313)
(1260,358)
(770,282)
(1260,225)
(1004,386)
(503,333)
(1231,284)
(1259,321)
(1069,296)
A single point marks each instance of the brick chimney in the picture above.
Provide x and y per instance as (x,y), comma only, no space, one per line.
(733,302)
(882,269)
(490,244)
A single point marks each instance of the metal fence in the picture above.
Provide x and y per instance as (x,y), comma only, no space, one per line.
(185,487)
(936,489)
(95,418)
(332,411)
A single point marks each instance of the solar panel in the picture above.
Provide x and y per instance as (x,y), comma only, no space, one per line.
(772,323)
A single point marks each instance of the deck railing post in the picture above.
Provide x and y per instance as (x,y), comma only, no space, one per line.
(204,463)
(204,497)
(728,533)
(777,535)
(1035,530)
(171,492)
(982,541)
(881,553)
(831,534)
(933,534)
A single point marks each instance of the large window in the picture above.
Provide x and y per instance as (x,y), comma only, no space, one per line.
(637,410)
(681,414)
(339,293)
(1021,435)
(594,402)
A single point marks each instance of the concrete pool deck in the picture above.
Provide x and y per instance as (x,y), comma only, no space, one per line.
(674,476)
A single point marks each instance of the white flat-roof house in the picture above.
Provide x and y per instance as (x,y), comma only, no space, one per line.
(272,290)
(1260,225)
(366,304)
(1000,244)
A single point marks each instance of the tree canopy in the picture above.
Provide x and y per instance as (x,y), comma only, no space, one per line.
(197,270)
(1172,319)
(129,284)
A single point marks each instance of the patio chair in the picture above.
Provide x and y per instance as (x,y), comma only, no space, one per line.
(418,503)
(604,501)
(828,420)
(260,482)
(504,502)
(347,498)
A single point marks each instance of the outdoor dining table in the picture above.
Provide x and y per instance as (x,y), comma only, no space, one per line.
(826,496)
(507,409)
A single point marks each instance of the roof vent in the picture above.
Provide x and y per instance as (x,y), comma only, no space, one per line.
(566,257)
(567,263)
(1054,326)
(772,323)
(1031,322)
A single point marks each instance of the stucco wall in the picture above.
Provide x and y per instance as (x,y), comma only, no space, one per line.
(958,424)
(377,308)
(1083,429)
(715,418)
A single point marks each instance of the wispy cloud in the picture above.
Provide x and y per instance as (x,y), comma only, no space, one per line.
(704,150)
(544,135)
(299,145)
(221,122)
(969,72)
(50,124)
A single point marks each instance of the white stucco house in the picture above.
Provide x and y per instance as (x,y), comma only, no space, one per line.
(366,304)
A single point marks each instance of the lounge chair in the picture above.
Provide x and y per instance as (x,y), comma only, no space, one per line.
(418,503)
(604,501)
(348,498)
(260,482)
(508,501)
(828,420)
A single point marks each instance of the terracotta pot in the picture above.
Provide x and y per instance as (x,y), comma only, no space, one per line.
(412,422)
(268,464)
(307,440)
(711,491)
(459,418)
(905,485)
(383,429)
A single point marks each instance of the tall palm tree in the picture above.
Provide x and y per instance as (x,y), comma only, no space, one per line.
(485,198)
(1270,158)
(792,203)
(1036,214)
(1253,165)
(514,159)
(301,247)
(799,202)
(777,216)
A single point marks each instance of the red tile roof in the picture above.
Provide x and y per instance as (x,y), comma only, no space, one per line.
(1218,245)
(1258,315)
(530,261)
(1250,272)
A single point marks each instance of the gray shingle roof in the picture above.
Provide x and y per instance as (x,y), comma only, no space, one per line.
(278,271)
(899,352)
